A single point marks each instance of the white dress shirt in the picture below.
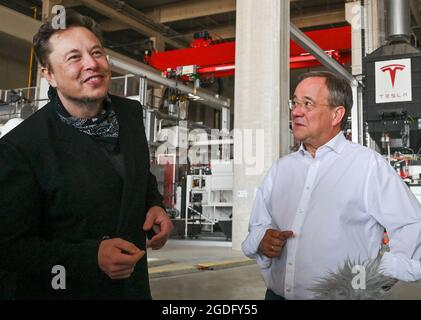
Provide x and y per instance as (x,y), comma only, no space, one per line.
(337,204)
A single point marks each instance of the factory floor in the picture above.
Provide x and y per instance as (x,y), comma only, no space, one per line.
(203,270)
(211,270)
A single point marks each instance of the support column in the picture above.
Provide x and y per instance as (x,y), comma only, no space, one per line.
(375,25)
(354,13)
(41,83)
(159,45)
(261,121)
(368,33)
(375,36)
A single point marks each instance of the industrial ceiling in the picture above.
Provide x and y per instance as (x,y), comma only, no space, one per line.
(133,26)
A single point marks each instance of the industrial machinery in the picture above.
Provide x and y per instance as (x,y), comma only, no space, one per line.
(14,108)
(392,98)
(179,146)
(209,197)
(197,182)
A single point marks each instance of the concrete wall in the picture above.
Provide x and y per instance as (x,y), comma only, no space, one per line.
(14,62)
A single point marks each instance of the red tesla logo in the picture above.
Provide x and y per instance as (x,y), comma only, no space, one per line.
(392,68)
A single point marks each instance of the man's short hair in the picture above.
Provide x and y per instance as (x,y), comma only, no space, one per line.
(340,92)
(41,39)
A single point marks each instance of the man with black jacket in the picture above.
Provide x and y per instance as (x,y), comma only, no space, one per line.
(76,190)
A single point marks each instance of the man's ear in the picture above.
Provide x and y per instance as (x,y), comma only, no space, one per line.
(47,74)
(338,115)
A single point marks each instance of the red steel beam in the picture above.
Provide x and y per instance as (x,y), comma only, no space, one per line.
(216,54)
(337,39)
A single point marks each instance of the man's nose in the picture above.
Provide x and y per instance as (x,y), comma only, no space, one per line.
(90,62)
(297,111)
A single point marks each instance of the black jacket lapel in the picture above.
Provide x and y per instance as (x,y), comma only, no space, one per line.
(134,166)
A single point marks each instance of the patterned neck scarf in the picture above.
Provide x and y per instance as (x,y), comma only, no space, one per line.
(104,125)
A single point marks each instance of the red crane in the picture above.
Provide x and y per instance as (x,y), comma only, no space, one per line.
(205,58)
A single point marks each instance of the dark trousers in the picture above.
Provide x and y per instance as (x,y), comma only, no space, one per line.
(270,295)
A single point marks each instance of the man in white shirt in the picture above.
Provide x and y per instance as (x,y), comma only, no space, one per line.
(329,201)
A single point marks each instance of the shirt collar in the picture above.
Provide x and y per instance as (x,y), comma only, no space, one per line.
(336,144)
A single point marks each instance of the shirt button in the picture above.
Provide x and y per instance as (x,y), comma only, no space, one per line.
(308,188)
(290,263)
(288,289)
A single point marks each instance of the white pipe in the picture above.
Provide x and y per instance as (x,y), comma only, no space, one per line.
(210,99)
(212,142)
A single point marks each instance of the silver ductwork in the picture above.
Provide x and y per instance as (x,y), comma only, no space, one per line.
(399,19)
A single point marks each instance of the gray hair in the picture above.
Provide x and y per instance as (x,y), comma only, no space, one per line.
(340,92)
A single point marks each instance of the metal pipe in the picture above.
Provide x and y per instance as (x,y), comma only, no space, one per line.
(120,11)
(399,19)
(355,113)
(213,142)
(213,100)
(123,7)
(125,85)
(307,44)
(143,91)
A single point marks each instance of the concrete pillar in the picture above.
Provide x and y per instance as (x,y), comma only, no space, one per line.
(375,24)
(41,83)
(354,14)
(261,101)
(368,23)
(375,37)
(355,17)
(159,45)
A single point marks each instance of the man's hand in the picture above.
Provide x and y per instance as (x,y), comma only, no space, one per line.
(117,258)
(273,241)
(157,218)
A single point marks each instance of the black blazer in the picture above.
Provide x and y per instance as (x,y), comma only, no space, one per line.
(59,196)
